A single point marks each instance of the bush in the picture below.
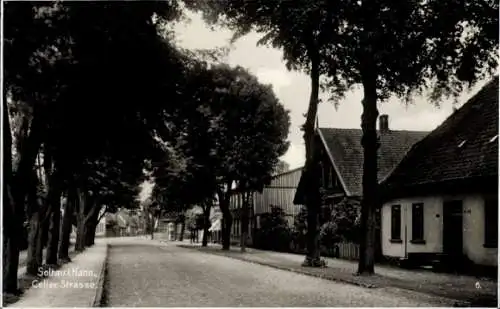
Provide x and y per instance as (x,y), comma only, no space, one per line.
(299,232)
(346,216)
(274,233)
(329,234)
(341,224)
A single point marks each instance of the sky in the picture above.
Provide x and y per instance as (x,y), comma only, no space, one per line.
(293,88)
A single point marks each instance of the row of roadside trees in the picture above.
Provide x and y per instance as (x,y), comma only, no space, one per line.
(98,99)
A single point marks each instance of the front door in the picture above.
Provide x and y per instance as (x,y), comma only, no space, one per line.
(452,228)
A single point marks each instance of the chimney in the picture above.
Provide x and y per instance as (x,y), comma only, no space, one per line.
(383,123)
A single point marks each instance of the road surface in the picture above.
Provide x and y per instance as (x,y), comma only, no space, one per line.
(149,274)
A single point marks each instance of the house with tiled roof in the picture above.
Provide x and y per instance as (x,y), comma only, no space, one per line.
(441,201)
(340,154)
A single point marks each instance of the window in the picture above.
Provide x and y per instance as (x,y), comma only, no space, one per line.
(417,222)
(331,176)
(491,222)
(324,175)
(396,222)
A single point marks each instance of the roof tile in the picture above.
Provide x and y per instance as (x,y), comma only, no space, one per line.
(346,150)
(462,147)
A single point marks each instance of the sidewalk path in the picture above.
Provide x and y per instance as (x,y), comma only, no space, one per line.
(461,288)
(76,284)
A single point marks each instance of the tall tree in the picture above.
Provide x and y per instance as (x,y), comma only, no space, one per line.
(250,120)
(30,85)
(302,29)
(259,155)
(401,49)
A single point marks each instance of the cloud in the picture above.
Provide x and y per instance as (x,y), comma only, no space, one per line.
(295,156)
(276,77)
(293,88)
(193,33)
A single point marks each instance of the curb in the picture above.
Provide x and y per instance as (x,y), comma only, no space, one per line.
(294,270)
(320,276)
(458,303)
(96,302)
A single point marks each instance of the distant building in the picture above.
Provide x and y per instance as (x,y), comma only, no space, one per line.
(101,225)
(100,228)
(280,192)
(216,223)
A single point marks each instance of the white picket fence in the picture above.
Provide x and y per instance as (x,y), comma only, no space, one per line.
(348,251)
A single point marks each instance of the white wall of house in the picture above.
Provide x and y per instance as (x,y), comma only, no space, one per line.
(432,227)
(473,228)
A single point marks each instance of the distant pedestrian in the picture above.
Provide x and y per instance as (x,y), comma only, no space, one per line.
(192,235)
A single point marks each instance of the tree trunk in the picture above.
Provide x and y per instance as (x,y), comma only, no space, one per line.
(370,197)
(67,225)
(38,227)
(204,241)
(81,230)
(226,230)
(152,225)
(226,216)
(244,221)
(313,200)
(54,198)
(42,235)
(11,264)
(206,224)
(80,222)
(89,238)
(10,242)
(11,222)
(54,235)
(33,236)
(313,206)
(18,194)
(183,228)
(91,226)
